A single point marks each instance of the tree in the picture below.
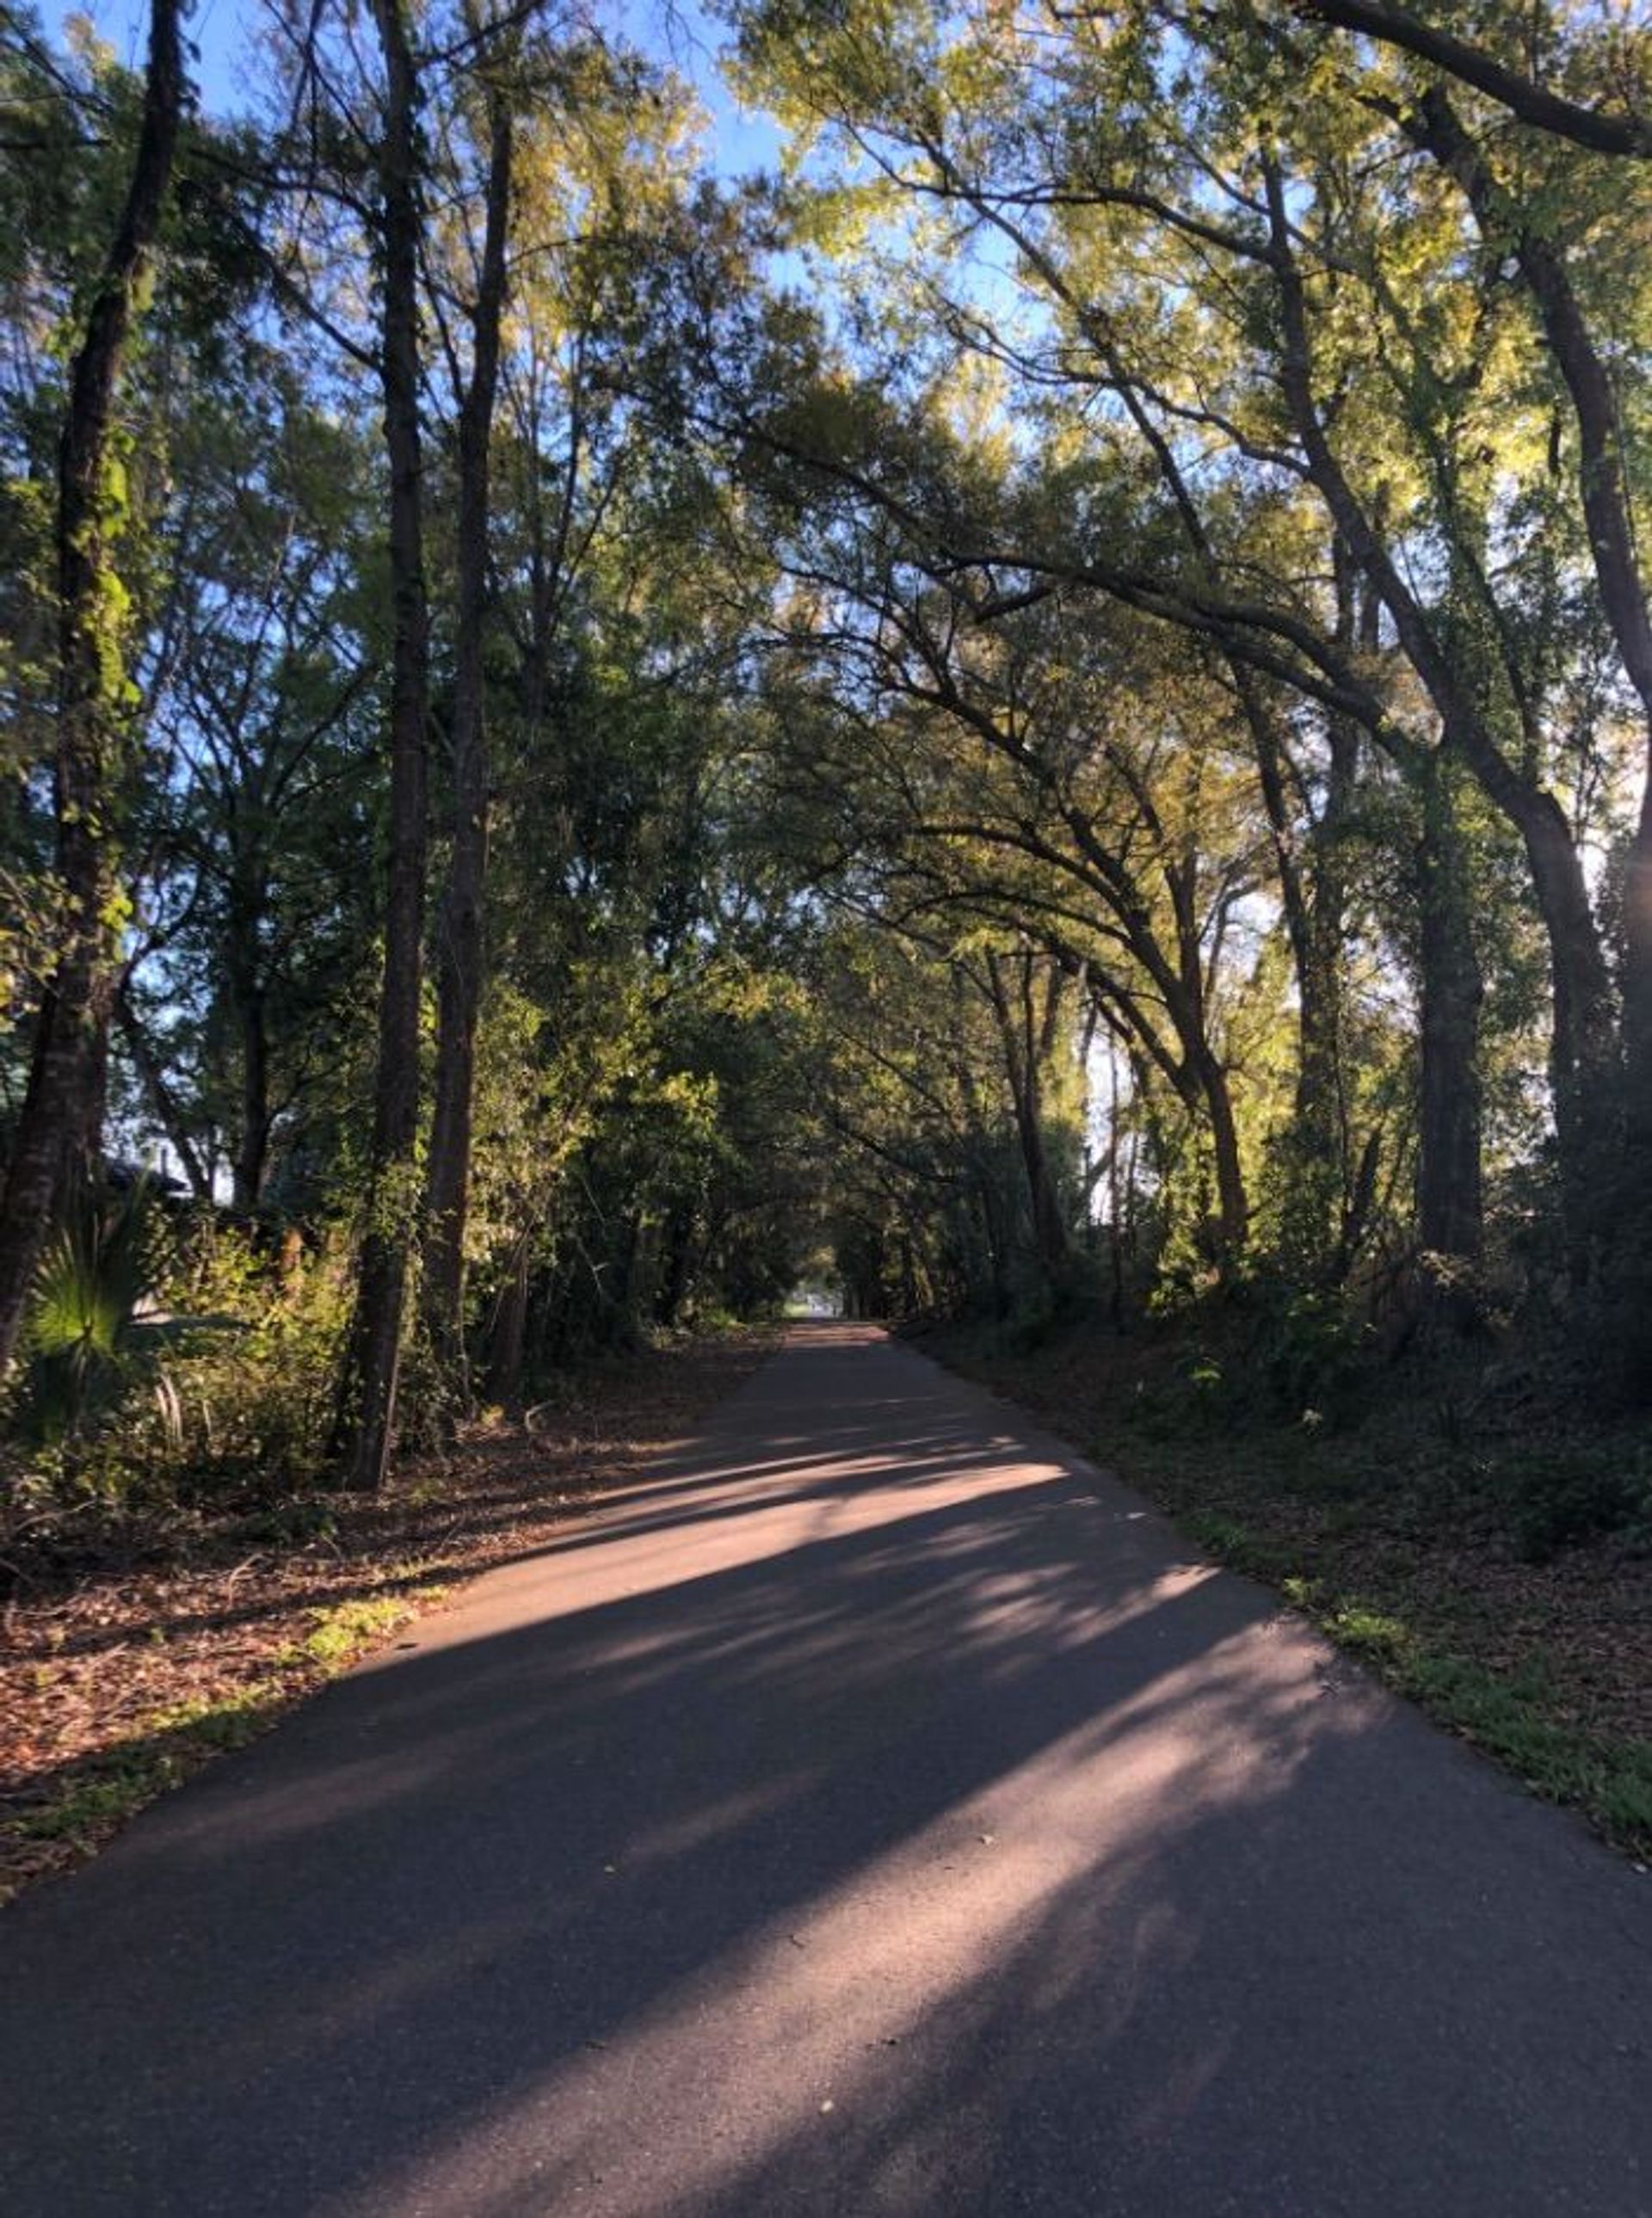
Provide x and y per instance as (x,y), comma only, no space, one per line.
(1515,90)
(367,1394)
(459,934)
(59,1127)
(1126,169)
(251,859)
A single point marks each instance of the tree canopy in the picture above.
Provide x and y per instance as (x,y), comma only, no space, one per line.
(1045,706)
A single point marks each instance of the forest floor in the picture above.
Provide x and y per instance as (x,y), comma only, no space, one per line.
(1446,1527)
(126,1669)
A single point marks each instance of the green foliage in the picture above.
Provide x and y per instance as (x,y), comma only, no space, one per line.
(101,1791)
(341,1632)
(1255,1554)
(197,1375)
(1579,1492)
(253,1405)
(1307,1354)
(86,1341)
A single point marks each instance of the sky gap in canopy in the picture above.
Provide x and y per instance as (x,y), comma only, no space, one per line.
(680,34)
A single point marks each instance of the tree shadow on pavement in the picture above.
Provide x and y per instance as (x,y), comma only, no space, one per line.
(932,1839)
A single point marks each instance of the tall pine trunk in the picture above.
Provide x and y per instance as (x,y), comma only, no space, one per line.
(61,1117)
(459,937)
(252,1142)
(508,1334)
(244,981)
(365,1429)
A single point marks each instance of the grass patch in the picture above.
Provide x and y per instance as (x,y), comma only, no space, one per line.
(221,1721)
(343,1633)
(1257,1554)
(94,1798)
(91,1801)
(1524,1715)
(90,1810)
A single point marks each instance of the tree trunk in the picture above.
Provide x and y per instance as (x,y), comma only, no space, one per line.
(989,1195)
(1313,914)
(1021,1060)
(162,1104)
(1585,1068)
(60,1116)
(1449,1202)
(1637,986)
(365,1429)
(1603,132)
(909,1297)
(1233,1203)
(509,1339)
(459,938)
(1320,1182)
(677,1260)
(997,1259)
(252,1144)
(243,959)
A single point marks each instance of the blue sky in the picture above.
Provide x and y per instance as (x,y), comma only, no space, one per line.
(680,33)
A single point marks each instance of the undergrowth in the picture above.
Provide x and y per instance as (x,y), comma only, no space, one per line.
(196,1384)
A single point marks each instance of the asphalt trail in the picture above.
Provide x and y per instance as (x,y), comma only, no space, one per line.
(877,1814)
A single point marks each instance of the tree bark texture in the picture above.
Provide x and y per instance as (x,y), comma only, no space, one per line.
(1602,132)
(1025,1045)
(1603,493)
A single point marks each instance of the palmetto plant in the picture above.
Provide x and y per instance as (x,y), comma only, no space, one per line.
(88,1341)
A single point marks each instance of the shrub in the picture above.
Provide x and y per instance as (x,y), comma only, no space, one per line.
(254,1402)
(173,1372)
(1578,1494)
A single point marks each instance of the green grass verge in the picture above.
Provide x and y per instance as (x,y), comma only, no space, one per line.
(91,1800)
(1519,1715)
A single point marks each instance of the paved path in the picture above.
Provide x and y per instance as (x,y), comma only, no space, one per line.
(879,1814)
